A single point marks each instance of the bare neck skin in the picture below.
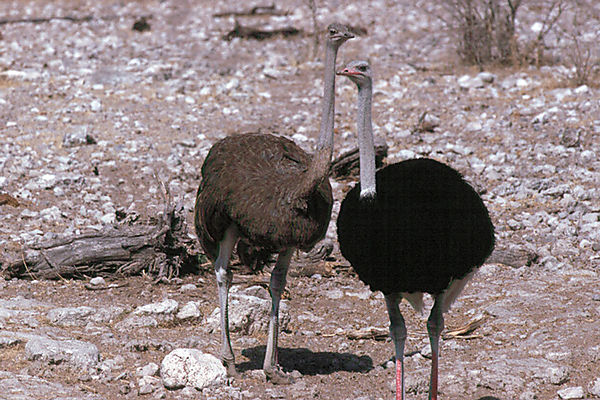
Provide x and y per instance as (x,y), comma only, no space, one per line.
(318,170)
(365,141)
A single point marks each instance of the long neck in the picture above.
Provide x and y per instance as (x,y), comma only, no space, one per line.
(318,170)
(365,142)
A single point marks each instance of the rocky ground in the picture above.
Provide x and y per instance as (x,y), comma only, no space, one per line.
(93,112)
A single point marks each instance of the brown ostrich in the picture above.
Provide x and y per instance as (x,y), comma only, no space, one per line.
(266,194)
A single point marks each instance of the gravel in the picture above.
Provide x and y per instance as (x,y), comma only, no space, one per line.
(92,113)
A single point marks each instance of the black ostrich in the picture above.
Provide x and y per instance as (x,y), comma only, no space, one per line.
(266,194)
(413,227)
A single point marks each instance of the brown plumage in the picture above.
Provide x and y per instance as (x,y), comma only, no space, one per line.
(271,217)
(266,194)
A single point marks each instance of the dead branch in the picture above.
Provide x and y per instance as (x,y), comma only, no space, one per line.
(512,256)
(253,12)
(42,20)
(347,164)
(162,249)
(464,332)
(313,12)
(87,18)
(370,332)
(8,200)
(245,32)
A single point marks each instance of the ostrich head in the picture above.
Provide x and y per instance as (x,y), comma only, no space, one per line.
(359,72)
(337,34)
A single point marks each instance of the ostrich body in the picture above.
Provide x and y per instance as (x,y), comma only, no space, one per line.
(413,227)
(266,194)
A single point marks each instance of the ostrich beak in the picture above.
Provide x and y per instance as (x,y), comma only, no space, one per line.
(347,72)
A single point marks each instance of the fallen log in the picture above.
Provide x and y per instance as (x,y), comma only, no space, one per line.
(347,164)
(162,249)
(512,256)
(245,32)
(253,12)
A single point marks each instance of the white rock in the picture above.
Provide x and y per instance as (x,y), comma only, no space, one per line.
(473,126)
(148,384)
(191,367)
(108,218)
(75,352)
(571,393)
(232,84)
(541,118)
(96,106)
(594,388)
(558,375)
(247,315)
(522,83)
(537,27)
(298,137)
(165,307)
(97,281)
(70,316)
(22,75)
(486,77)
(188,287)
(150,369)
(50,213)
(189,310)
(582,89)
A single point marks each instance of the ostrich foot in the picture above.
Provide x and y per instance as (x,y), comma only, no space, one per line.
(278,377)
(229,365)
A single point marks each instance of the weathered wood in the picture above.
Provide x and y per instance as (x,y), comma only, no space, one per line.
(512,256)
(245,32)
(163,249)
(253,12)
(9,200)
(347,164)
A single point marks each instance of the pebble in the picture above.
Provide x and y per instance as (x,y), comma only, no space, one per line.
(594,387)
(96,106)
(75,352)
(189,310)
(165,307)
(571,393)
(188,287)
(150,369)
(112,100)
(97,281)
(191,367)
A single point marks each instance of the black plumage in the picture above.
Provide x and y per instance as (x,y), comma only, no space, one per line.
(413,227)
(425,227)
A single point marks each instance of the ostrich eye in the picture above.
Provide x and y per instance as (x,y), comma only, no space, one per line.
(362,68)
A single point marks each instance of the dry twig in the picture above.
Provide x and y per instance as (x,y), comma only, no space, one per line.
(253,12)
(464,332)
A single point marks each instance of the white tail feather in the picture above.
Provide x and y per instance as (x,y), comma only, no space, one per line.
(415,299)
(455,289)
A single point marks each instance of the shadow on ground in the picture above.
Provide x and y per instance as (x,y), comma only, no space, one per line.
(307,362)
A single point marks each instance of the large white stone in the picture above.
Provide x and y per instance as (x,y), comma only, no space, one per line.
(165,307)
(248,315)
(191,367)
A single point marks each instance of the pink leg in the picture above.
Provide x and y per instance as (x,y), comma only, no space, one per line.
(399,379)
(435,325)
(398,334)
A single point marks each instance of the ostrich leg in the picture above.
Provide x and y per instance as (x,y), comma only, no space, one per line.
(224,277)
(398,334)
(278,280)
(435,325)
